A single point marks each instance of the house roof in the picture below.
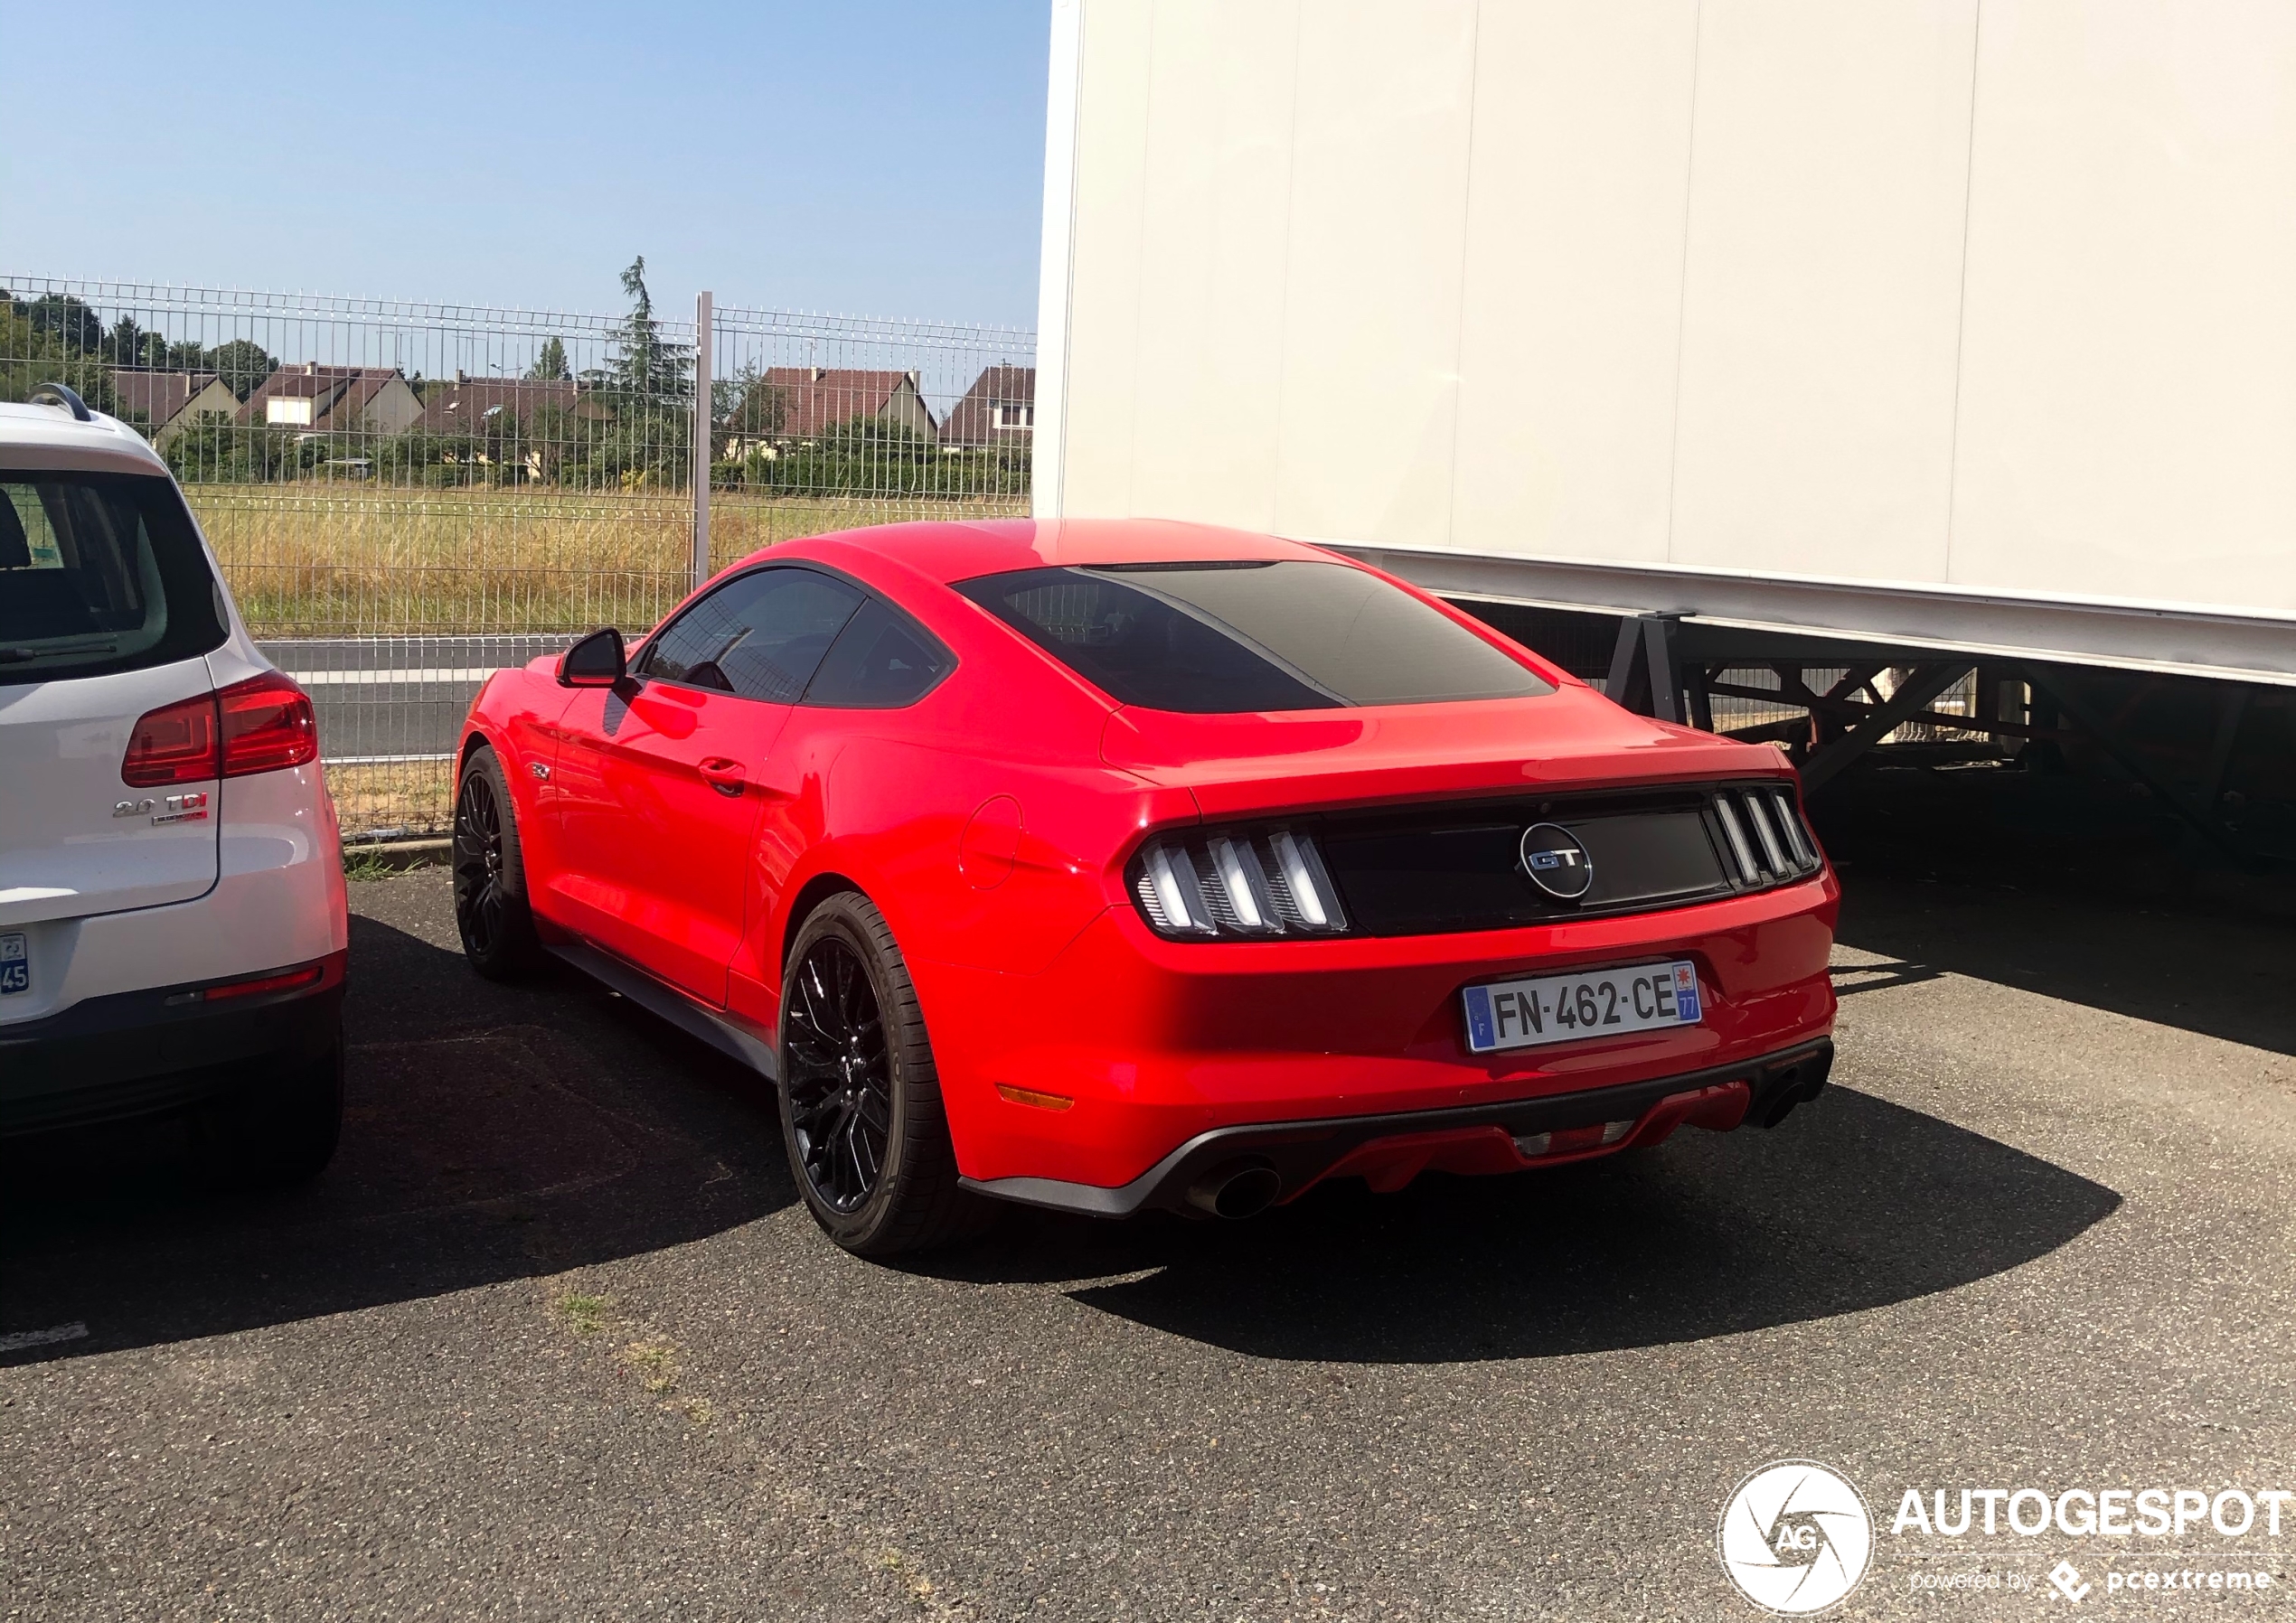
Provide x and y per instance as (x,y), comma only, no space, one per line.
(460,405)
(157,396)
(972,420)
(804,400)
(333,392)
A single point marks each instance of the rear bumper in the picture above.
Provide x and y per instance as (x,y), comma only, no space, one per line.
(137,1053)
(1390,1150)
(1127,1047)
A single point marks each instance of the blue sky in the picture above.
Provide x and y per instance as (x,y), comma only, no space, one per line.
(866,159)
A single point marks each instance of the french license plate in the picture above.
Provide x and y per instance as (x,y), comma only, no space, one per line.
(1563,1008)
(16,965)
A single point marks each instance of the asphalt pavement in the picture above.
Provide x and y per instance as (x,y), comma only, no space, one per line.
(553,1339)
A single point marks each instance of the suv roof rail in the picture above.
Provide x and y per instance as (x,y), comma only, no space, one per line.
(56,394)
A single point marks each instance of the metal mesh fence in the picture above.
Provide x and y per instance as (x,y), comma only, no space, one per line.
(405,496)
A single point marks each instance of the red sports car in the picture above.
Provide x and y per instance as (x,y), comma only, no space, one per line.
(1110,865)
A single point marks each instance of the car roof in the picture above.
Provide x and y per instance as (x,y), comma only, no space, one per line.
(950,551)
(50,436)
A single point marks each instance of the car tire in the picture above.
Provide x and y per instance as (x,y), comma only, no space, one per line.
(282,1131)
(861,1117)
(491,912)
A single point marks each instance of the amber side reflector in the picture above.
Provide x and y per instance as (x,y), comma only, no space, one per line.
(1043,1101)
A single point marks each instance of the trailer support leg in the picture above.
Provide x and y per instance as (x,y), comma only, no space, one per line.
(1695,677)
(1645,676)
(1925,683)
(2232,707)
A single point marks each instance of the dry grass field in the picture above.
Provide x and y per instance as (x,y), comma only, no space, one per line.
(398,799)
(353,560)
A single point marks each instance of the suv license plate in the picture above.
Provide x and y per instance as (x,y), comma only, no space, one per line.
(1564,1008)
(16,965)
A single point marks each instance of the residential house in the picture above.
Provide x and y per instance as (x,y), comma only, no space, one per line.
(491,409)
(461,405)
(804,402)
(323,399)
(165,404)
(999,409)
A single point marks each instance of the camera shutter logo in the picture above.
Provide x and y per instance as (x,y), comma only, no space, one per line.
(1795,1538)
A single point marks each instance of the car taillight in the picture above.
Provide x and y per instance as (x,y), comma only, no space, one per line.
(268,724)
(175,744)
(1255,883)
(259,724)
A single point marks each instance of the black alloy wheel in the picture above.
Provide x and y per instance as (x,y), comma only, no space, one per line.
(840,1090)
(490,879)
(862,1115)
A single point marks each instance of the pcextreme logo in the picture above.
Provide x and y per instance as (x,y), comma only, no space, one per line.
(1795,1538)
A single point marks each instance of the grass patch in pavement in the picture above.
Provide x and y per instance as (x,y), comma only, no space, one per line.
(584,1313)
(359,866)
(656,1363)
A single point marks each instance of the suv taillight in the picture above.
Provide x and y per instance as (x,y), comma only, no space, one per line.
(175,744)
(268,724)
(259,724)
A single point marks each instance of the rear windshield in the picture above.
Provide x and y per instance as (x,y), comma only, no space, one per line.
(99,572)
(1225,638)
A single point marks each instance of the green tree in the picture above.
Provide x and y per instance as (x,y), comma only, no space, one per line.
(35,349)
(129,345)
(550,361)
(217,452)
(646,386)
(68,320)
(643,365)
(748,406)
(242,364)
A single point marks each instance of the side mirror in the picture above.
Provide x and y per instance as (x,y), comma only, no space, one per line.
(595,661)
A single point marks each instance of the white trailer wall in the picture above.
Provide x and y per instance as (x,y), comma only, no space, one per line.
(1965,320)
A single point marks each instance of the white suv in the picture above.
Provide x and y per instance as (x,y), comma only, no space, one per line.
(173,917)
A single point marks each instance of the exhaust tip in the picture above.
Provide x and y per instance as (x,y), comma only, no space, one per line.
(1800,1085)
(1239,1189)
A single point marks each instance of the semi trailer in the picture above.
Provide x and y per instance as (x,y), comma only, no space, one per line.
(1916,367)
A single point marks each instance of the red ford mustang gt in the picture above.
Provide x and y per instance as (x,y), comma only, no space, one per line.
(1104,865)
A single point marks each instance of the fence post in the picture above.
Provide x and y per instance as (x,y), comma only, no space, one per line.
(702,344)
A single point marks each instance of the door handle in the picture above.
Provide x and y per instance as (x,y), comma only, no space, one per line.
(723,775)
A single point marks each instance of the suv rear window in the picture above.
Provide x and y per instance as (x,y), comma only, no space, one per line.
(1223,638)
(99,572)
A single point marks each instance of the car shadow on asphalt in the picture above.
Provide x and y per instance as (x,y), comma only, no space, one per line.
(491,1133)
(2207,972)
(1852,1203)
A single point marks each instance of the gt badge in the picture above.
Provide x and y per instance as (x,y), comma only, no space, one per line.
(1557,862)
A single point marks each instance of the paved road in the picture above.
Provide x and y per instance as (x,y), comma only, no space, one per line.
(552,1340)
(393,699)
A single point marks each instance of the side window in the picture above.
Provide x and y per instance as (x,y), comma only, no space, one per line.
(760,635)
(882,661)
